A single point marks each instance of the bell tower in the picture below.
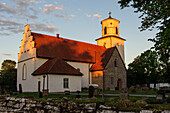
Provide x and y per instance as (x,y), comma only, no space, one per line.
(110,35)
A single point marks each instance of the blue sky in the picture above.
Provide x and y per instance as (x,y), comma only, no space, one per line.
(72,19)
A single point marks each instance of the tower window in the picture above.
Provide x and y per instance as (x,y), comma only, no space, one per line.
(115,62)
(116,30)
(110,23)
(24,72)
(105,30)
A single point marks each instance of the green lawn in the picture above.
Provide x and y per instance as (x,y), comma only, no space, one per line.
(139,92)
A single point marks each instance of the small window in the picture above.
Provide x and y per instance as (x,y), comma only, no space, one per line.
(65,83)
(111,23)
(115,62)
(24,72)
(116,30)
(112,79)
(105,30)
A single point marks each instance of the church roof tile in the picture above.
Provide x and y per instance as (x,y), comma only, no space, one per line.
(56,66)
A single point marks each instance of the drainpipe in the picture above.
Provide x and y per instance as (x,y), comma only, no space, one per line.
(43,82)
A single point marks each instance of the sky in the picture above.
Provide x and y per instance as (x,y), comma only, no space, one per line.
(72,19)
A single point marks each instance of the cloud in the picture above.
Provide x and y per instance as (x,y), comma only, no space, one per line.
(61,16)
(4,34)
(22,3)
(36,2)
(9,22)
(50,8)
(88,15)
(97,15)
(7,9)
(10,26)
(6,54)
(33,16)
(43,27)
(33,10)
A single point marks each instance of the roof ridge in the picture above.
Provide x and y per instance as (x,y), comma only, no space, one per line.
(70,40)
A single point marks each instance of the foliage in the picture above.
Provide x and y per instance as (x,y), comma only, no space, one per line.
(151,100)
(144,69)
(7,64)
(155,14)
(8,76)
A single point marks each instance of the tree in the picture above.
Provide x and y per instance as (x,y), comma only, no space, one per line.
(8,76)
(145,69)
(155,14)
(7,64)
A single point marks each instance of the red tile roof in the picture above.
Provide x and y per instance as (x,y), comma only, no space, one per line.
(60,48)
(65,49)
(56,66)
(103,60)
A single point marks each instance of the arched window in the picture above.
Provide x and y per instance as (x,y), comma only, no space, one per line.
(105,30)
(115,62)
(24,72)
(116,30)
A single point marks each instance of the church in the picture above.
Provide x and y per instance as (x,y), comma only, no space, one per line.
(57,64)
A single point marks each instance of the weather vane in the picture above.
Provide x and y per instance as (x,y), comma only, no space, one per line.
(110,14)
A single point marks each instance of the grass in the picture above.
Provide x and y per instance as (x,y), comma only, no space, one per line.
(138,92)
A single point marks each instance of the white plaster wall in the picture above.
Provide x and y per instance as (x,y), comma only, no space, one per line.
(84,69)
(111,42)
(31,82)
(56,83)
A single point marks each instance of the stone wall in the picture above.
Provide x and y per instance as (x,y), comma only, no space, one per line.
(97,78)
(11,104)
(31,105)
(118,72)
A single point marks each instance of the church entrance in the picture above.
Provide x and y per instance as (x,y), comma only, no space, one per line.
(119,84)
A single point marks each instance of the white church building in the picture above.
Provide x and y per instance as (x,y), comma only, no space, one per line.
(58,64)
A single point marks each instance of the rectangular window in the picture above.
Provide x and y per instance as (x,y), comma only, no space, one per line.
(112,80)
(65,83)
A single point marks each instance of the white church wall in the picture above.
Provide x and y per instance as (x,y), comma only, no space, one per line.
(30,84)
(84,69)
(56,83)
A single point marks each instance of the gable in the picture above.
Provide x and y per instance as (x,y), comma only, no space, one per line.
(115,56)
(56,66)
(105,58)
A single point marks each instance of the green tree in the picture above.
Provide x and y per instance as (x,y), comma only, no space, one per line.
(7,64)
(155,14)
(145,69)
(8,76)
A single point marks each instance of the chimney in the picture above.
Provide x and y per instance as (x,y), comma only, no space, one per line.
(58,35)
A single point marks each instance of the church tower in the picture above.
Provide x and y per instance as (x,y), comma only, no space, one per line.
(110,35)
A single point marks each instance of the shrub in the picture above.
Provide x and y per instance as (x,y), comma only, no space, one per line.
(132,89)
(151,100)
(168,99)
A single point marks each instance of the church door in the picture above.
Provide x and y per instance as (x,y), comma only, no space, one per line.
(119,84)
